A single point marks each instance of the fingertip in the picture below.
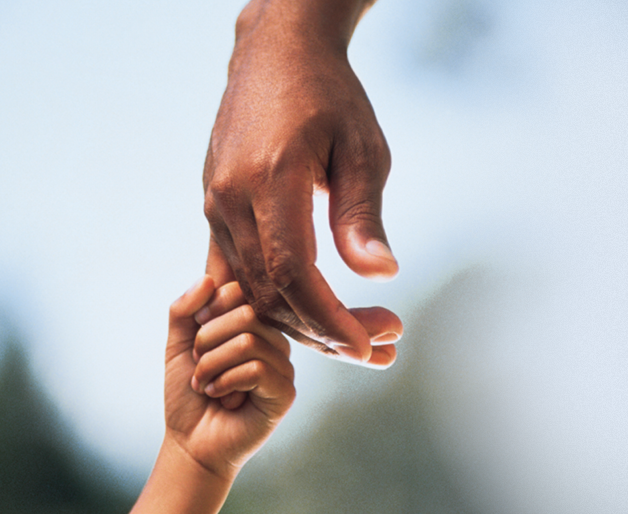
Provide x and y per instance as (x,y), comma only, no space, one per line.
(193,287)
(384,264)
(388,337)
(202,285)
(193,299)
(383,326)
(182,326)
(352,353)
(382,357)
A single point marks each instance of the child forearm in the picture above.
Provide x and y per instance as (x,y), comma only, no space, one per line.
(228,384)
(180,485)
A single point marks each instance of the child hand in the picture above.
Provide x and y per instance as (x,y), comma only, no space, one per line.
(223,408)
(229,382)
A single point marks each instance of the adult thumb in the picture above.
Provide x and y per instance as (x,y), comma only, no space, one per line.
(355,217)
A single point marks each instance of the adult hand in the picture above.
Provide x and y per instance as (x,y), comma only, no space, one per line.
(295,120)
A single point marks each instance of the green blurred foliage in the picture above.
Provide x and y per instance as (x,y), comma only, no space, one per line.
(43,469)
(379,446)
(375,445)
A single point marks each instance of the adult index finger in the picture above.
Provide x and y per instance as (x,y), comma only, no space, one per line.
(286,233)
(238,321)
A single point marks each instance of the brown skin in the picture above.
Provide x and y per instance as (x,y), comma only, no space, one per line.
(295,120)
(229,383)
(211,434)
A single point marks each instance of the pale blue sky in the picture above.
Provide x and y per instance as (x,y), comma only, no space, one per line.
(508,127)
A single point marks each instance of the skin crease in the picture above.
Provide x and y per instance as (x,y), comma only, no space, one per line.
(228,384)
(295,120)
(209,437)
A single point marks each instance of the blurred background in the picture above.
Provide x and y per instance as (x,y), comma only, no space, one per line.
(506,209)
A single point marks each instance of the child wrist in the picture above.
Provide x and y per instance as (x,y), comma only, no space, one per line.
(216,471)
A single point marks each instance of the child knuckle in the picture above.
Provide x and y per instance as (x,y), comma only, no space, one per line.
(248,341)
(247,315)
(258,368)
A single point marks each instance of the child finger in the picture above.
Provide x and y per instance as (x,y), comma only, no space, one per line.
(181,321)
(233,400)
(270,391)
(225,299)
(242,348)
(229,325)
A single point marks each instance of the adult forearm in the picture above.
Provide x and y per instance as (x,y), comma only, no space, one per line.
(328,23)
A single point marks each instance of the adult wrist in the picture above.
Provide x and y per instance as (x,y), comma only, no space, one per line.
(328,24)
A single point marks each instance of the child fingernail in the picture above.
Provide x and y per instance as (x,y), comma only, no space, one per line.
(203,315)
(210,389)
(194,383)
(195,356)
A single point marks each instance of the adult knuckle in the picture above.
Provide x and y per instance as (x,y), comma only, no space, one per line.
(381,153)
(210,209)
(268,304)
(364,209)
(368,153)
(259,171)
(272,309)
(283,268)
(221,184)
(224,193)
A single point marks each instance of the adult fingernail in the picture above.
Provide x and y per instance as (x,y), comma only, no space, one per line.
(378,249)
(348,351)
(388,337)
(203,315)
